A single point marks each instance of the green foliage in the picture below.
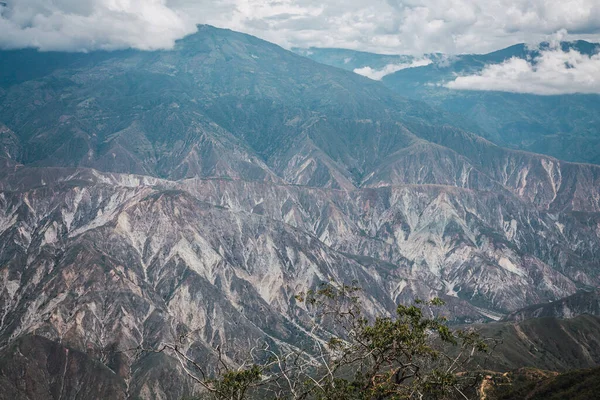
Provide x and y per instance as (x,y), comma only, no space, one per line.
(412,354)
(236,384)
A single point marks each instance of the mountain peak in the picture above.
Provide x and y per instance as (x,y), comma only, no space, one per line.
(147,197)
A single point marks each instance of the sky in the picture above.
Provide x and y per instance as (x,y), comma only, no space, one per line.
(385,26)
(411,27)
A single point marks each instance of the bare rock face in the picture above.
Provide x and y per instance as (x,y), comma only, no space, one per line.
(111,263)
(150,196)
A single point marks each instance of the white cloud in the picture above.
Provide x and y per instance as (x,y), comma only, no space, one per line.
(553,72)
(378,74)
(385,26)
(79,25)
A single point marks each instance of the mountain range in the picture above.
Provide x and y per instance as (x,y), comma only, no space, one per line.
(150,195)
(562,126)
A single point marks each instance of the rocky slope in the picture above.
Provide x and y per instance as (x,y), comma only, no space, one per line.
(584,302)
(33,367)
(150,196)
(547,343)
(108,262)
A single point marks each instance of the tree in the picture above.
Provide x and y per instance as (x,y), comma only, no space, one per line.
(409,355)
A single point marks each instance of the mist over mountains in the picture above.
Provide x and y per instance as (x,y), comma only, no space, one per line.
(146,195)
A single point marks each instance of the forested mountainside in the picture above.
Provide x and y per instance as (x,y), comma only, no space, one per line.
(562,126)
(146,195)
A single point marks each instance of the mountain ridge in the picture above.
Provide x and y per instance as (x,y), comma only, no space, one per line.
(146,196)
(563,126)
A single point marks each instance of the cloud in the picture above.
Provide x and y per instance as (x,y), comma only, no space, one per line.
(553,72)
(378,74)
(384,26)
(80,25)
(423,26)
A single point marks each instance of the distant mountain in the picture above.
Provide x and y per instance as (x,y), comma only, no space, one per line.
(564,126)
(351,59)
(146,196)
(220,104)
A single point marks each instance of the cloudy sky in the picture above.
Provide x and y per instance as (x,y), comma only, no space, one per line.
(386,26)
(389,26)
(553,72)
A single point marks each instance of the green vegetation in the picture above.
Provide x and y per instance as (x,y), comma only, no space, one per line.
(411,355)
(535,384)
(562,126)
